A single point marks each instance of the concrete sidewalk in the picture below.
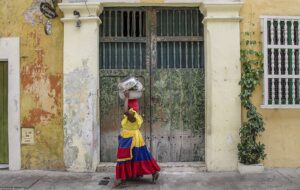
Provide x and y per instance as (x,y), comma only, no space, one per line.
(279,179)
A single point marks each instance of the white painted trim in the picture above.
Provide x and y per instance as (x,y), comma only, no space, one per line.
(165,4)
(222,19)
(281,17)
(289,106)
(10,51)
(93,18)
(85,10)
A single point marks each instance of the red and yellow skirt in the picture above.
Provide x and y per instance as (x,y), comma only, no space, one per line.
(133,157)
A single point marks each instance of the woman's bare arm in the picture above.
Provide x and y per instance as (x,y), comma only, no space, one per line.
(129,115)
(126,94)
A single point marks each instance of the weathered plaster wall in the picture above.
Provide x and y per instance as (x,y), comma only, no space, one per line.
(222,72)
(81,83)
(282,125)
(41,81)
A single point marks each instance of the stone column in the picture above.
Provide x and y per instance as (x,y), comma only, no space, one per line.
(223,72)
(81,84)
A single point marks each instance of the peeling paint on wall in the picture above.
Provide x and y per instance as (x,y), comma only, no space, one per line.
(79,113)
(32,14)
(41,81)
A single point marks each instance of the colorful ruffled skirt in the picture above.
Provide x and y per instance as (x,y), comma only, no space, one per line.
(133,157)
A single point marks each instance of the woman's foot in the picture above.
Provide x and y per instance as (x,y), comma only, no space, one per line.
(139,176)
(119,183)
(155,177)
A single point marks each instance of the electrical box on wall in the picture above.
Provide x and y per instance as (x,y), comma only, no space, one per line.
(27,136)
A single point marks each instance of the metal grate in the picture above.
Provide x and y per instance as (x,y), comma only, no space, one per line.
(180,55)
(123,39)
(123,55)
(179,38)
(281,49)
(123,23)
(179,22)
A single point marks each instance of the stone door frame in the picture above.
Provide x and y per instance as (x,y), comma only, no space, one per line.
(10,52)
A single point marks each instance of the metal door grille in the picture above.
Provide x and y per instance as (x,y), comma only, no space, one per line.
(123,39)
(179,38)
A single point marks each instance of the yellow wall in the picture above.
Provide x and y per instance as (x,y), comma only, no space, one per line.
(281,136)
(41,80)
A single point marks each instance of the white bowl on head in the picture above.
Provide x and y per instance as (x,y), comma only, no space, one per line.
(127,83)
(132,94)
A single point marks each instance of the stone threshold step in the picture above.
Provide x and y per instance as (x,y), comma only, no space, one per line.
(165,167)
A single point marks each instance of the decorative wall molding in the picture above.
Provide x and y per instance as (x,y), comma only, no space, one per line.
(10,51)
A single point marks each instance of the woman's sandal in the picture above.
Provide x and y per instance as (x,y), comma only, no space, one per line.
(155,177)
(119,184)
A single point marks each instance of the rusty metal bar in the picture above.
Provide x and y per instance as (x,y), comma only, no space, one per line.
(197,24)
(124,39)
(109,63)
(134,57)
(192,54)
(186,55)
(173,22)
(161,23)
(133,24)
(122,24)
(191,21)
(180,38)
(161,54)
(116,55)
(104,61)
(109,23)
(141,56)
(128,56)
(167,25)
(140,24)
(104,23)
(168,55)
(198,55)
(174,54)
(128,23)
(179,21)
(185,20)
(122,55)
(180,54)
(116,23)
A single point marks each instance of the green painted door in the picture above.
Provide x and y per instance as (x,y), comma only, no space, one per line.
(177,90)
(3,112)
(163,47)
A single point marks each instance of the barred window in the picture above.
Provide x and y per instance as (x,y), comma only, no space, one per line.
(281,62)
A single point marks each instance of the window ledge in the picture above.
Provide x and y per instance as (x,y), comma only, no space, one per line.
(280,106)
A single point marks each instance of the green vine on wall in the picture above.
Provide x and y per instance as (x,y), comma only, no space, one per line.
(249,150)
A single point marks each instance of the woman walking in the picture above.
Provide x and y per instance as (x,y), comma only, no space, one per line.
(133,157)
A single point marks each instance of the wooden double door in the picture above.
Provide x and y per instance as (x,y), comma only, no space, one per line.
(163,47)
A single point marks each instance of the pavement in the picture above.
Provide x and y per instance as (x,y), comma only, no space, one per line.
(270,179)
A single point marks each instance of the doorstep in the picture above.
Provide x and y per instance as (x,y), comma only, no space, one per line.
(165,167)
(3,166)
